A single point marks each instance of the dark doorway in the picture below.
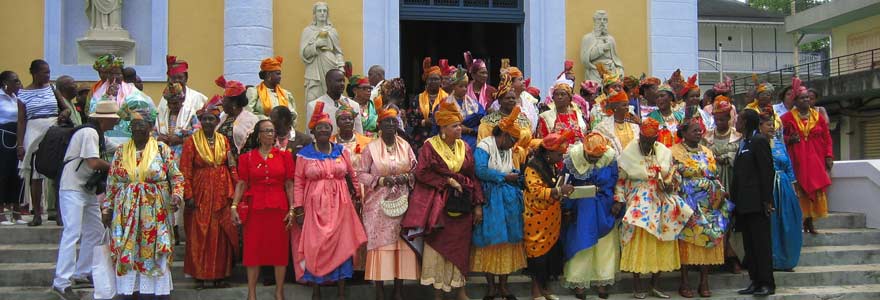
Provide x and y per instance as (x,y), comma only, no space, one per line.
(488,41)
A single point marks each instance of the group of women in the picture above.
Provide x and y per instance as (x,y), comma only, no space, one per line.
(469,178)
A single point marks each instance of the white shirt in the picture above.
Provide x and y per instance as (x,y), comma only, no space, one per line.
(83,145)
(330,108)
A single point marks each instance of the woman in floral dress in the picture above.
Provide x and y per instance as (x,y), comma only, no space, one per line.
(701,241)
(144,188)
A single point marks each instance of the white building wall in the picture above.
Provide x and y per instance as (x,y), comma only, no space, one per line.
(543,40)
(382,36)
(673,37)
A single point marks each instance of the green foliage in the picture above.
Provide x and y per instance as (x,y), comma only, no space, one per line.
(784,7)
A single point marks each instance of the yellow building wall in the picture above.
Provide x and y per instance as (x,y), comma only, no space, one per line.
(627,23)
(23,35)
(867,29)
(288,22)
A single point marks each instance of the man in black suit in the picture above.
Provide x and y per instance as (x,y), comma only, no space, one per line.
(752,192)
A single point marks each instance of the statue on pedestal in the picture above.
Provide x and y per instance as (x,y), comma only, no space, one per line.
(320,51)
(598,47)
(104,14)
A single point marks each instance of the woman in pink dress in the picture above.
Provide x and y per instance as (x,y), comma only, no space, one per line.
(324,196)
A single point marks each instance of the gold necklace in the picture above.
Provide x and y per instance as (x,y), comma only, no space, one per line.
(343,141)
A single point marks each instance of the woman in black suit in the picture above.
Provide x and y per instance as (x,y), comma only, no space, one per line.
(752,192)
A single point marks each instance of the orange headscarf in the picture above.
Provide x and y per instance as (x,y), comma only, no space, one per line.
(595,144)
(447,113)
(721,105)
(269,65)
(428,69)
(509,123)
(319,116)
(649,127)
(557,142)
(383,113)
(231,88)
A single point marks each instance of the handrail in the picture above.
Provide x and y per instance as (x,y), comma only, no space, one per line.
(821,69)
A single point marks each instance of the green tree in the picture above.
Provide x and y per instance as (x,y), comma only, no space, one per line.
(784,7)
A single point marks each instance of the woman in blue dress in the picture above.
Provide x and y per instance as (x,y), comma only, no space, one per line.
(785,221)
(471,109)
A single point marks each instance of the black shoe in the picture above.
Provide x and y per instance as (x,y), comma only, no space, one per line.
(749,290)
(764,291)
(66,294)
(82,283)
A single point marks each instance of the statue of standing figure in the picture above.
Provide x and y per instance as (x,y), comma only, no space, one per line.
(104,14)
(320,51)
(598,47)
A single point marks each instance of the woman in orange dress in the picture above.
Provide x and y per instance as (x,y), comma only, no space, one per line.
(212,239)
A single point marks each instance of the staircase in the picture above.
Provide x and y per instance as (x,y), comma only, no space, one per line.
(841,262)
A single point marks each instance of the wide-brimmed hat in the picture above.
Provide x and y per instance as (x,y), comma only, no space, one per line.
(106,109)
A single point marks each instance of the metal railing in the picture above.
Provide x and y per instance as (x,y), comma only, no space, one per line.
(756,61)
(822,69)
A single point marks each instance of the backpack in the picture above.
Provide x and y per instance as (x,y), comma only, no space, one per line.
(49,157)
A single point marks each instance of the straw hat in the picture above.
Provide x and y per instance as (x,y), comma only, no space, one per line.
(106,109)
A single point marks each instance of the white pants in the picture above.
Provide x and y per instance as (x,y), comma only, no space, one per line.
(82,222)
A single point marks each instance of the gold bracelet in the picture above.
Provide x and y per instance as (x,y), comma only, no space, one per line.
(234,206)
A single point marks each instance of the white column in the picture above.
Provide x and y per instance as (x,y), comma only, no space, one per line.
(247,38)
(382,36)
(673,37)
(543,41)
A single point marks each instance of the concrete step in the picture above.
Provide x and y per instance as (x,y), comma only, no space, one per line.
(841,220)
(839,255)
(48,253)
(842,237)
(412,291)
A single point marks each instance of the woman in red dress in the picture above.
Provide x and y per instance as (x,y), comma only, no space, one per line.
(212,240)
(266,184)
(562,114)
(809,146)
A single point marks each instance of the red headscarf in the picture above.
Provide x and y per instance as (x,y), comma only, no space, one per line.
(176,66)
(557,142)
(319,116)
(649,127)
(231,88)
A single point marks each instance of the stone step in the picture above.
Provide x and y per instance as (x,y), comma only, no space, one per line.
(48,253)
(412,291)
(841,220)
(842,237)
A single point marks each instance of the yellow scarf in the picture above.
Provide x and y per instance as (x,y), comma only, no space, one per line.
(425,106)
(216,157)
(137,172)
(777,122)
(811,122)
(454,158)
(266,100)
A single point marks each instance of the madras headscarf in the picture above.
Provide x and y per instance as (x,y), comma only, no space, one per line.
(138,109)
(345,109)
(445,68)
(631,82)
(173,91)
(107,61)
(176,66)
(504,86)
(535,92)
(595,144)
(231,88)
(447,113)
(557,142)
(676,77)
(765,87)
(721,105)
(797,87)
(319,116)
(382,112)
(459,76)
(509,123)
(666,88)
(590,86)
(473,65)
(271,64)
(649,81)
(428,69)
(649,127)
(567,66)
(608,78)
(394,86)
(690,85)
(618,97)
(212,106)
(563,84)
(723,87)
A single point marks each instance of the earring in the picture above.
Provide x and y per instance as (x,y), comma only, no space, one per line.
(442,136)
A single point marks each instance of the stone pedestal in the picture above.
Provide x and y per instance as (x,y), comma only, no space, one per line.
(99,42)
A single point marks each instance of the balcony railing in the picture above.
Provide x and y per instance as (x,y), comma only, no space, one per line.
(821,69)
(754,61)
(802,5)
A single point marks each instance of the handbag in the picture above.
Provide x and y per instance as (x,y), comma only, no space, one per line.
(103,269)
(458,203)
(243,209)
(395,207)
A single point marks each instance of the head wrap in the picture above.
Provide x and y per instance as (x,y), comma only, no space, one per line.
(108,61)
(212,106)
(595,144)
(445,68)
(428,69)
(631,82)
(138,109)
(721,105)
(690,85)
(649,127)
(797,87)
(608,78)
(509,123)
(394,87)
(590,86)
(271,64)
(665,88)
(447,113)
(357,80)
(676,76)
(563,84)
(319,116)
(618,97)
(231,88)
(173,91)
(535,92)
(723,87)
(567,66)
(459,76)
(504,86)
(765,87)
(176,66)
(345,109)
(473,65)
(383,113)
(557,142)
(650,81)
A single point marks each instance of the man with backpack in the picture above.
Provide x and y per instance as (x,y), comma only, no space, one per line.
(82,170)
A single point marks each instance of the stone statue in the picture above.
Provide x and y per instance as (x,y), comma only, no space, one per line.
(598,47)
(319,50)
(104,14)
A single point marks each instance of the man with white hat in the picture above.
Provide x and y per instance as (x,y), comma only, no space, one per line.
(78,200)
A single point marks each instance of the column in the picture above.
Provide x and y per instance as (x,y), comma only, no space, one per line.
(543,41)
(247,38)
(382,36)
(673,37)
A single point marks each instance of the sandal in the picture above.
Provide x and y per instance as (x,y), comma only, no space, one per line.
(704,293)
(640,295)
(659,294)
(686,292)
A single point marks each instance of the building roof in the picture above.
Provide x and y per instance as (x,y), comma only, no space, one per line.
(732,10)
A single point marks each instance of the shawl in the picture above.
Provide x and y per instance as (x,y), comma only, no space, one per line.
(425,106)
(484,98)
(501,161)
(266,100)
(192,103)
(216,157)
(137,171)
(633,162)
(579,159)
(811,122)
(454,158)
